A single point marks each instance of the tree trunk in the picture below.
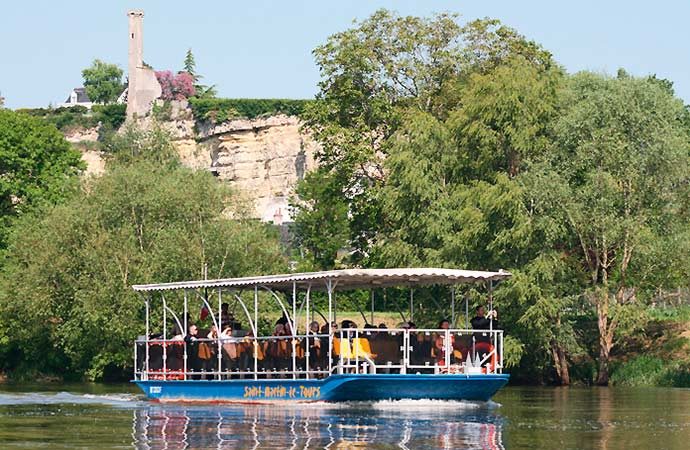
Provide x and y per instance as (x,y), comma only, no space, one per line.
(603,377)
(560,363)
(605,337)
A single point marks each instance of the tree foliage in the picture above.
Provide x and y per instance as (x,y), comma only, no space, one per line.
(66,285)
(616,180)
(37,164)
(103,82)
(465,145)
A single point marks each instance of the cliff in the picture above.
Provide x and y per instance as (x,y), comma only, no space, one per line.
(263,157)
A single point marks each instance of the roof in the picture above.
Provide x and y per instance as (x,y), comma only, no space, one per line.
(81,95)
(342,279)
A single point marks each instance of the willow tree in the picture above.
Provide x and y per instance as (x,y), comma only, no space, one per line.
(616,179)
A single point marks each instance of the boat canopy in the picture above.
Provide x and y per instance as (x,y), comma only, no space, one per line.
(345,279)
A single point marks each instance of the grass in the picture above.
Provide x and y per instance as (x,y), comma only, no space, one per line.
(646,370)
(677,314)
(661,355)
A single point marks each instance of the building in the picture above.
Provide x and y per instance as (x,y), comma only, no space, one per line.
(77,97)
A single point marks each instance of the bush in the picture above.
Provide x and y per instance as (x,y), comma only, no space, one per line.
(651,371)
(218,110)
(111,116)
(175,87)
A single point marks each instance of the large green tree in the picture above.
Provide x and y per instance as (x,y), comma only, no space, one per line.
(103,82)
(380,72)
(37,165)
(66,303)
(616,181)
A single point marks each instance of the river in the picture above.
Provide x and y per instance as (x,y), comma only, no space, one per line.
(116,416)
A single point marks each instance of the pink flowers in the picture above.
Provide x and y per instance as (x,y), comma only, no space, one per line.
(175,87)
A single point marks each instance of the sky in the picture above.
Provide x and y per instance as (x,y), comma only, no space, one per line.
(262,49)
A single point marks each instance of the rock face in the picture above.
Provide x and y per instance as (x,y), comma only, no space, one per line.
(263,158)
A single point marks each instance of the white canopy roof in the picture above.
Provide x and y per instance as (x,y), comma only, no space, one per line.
(341,279)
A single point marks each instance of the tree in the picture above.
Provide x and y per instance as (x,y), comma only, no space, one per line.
(200,90)
(66,283)
(38,166)
(103,82)
(374,75)
(616,179)
(189,65)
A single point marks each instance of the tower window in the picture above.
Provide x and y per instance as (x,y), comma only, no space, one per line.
(132,35)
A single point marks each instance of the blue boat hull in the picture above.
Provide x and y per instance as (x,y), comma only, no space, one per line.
(336,388)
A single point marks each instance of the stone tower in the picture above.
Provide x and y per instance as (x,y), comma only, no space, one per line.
(143,87)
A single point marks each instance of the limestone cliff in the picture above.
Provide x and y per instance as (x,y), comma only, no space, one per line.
(263,157)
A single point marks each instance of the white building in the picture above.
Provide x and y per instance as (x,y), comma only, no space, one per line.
(77,97)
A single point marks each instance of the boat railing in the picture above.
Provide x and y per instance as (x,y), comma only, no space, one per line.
(435,351)
(372,351)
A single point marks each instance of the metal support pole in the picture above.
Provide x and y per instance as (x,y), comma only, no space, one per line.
(148,333)
(295,323)
(256,337)
(218,330)
(411,305)
(448,349)
(165,339)
(136,344)
(307,347)
(330,320)
(491,305)
(372,306)
(184,334)
(452,305)
(467,313)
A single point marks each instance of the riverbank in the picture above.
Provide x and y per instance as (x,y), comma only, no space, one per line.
(659,356)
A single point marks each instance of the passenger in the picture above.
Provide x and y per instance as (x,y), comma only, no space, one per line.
(484,322)
(283,320)
(230,349)
(483,341)
(277,350)
(314,344)
(192,342)
(382,326)
(251,348)
(207,352)
(439,350)
(225,316)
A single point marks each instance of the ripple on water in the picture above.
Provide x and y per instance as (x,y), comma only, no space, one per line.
(58,398)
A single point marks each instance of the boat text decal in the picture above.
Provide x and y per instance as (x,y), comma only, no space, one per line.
(282,392)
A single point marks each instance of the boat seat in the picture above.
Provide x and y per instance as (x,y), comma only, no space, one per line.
(362,348)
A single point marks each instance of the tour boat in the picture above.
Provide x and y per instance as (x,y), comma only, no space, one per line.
(331,364)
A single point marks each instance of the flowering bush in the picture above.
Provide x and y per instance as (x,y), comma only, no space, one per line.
(175,87)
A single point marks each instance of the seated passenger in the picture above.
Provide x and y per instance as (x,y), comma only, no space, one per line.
(230,349)
(440,345)
(314,344)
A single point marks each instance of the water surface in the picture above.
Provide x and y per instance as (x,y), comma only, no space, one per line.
(116,416)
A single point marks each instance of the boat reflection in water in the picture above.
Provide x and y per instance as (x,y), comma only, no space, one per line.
(401,424)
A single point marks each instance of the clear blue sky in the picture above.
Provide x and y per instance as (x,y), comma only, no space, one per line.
(262,48)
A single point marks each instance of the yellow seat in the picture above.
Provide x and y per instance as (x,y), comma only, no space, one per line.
(343,349)
(362,348)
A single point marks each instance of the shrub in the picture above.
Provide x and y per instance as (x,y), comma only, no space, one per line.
(218,110)
(175,87)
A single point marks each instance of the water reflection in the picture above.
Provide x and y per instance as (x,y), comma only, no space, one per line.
(379,425)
